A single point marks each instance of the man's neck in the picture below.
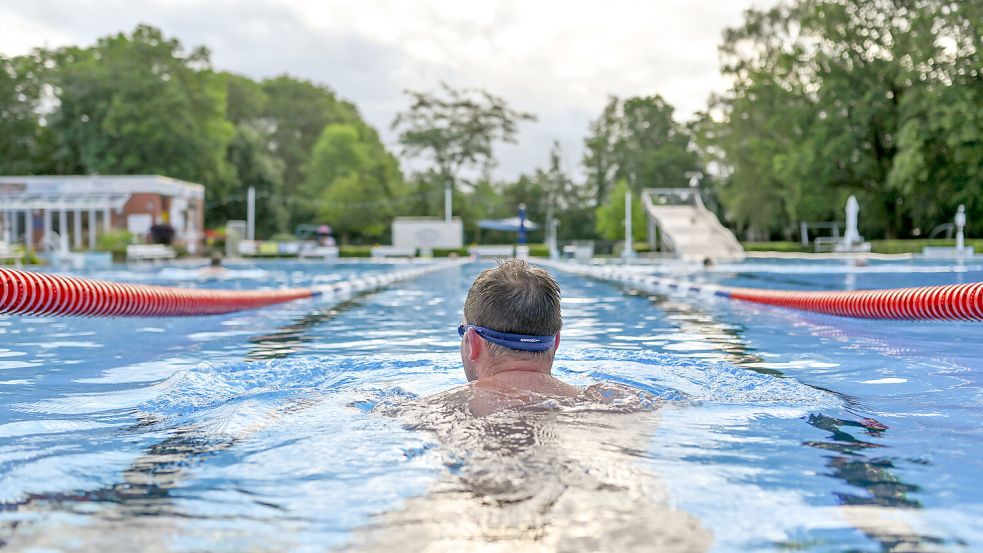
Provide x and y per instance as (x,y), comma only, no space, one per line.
(514,375)
(511,367)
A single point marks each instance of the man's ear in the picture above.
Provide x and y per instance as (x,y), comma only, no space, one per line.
(556,342)
(474,344)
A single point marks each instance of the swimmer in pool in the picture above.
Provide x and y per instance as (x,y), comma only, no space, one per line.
(214,268)
(535,464)
(509,337)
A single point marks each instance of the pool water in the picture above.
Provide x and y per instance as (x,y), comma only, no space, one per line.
(312,425)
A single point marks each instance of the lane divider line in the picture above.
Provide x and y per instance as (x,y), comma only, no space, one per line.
(43,294)
(951,302)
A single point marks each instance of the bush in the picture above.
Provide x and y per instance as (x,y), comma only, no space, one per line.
(355,251)
(776,247)
(115,242)
(446,252)
(916,246)
(876,246)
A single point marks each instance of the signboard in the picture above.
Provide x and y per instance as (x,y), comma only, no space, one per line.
(420,232)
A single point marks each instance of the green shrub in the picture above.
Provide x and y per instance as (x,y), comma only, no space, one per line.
(776,247)
(876,246)
(916,246)
(355,251)
(115,242)
(446,252)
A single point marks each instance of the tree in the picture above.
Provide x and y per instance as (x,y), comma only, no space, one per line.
(599,152)
(566,201)
(610,215)
(652,149)
(355,182)
(637,140)
(139,104)
(255,166)
(297,113)
(253,163)
(840,97)
(456,129)
(24,141)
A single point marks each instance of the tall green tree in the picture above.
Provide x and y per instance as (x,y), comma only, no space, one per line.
(24,141)
(600,163)
(561,198)
(637,140)
(610,215)
(139,103)
(253,162)
(298,111)
(355,183)
(455,130)
(838,97)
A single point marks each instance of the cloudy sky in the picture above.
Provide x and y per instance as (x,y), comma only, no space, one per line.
(559,60)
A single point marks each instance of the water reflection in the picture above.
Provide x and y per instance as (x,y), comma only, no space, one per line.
(885,491)
(871,474)
(143,510)
(534,481)
(143,505)
(875,476)
(290,338)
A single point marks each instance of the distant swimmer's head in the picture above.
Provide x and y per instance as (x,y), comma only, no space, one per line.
(511,319)
(216,261)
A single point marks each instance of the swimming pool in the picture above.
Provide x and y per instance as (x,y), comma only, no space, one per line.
(282,428)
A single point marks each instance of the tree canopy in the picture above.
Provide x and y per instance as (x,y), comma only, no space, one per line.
(836,97)
(828,98)
(456,129)
(139,103)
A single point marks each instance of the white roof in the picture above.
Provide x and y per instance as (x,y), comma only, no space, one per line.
(88,192)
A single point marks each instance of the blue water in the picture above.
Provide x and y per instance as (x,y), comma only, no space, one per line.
(268,429)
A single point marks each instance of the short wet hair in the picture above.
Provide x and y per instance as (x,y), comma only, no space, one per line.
(517,298)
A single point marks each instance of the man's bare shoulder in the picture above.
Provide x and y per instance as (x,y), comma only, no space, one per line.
(487,398)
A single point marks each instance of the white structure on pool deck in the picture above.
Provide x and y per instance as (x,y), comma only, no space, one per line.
(427,232)
(99,204)
(686,227)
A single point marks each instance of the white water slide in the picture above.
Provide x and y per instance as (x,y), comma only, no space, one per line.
(686,227)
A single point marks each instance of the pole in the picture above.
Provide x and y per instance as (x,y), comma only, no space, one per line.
(522,224)
(554,251)
(6,226)
(92,228)
(47,225)
(77,232)
(251,213)
(629,249)
(62,230)
(447,202)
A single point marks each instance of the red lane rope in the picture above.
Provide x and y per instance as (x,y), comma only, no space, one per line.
(953,302)
(25,292)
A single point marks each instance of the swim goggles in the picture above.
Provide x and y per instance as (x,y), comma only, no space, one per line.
(522,342)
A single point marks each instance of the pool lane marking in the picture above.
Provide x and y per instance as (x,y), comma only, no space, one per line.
(949,302)
(43,294)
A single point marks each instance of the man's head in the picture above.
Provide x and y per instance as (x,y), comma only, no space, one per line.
(511,298)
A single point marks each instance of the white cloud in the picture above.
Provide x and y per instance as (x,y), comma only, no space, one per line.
(560,60)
